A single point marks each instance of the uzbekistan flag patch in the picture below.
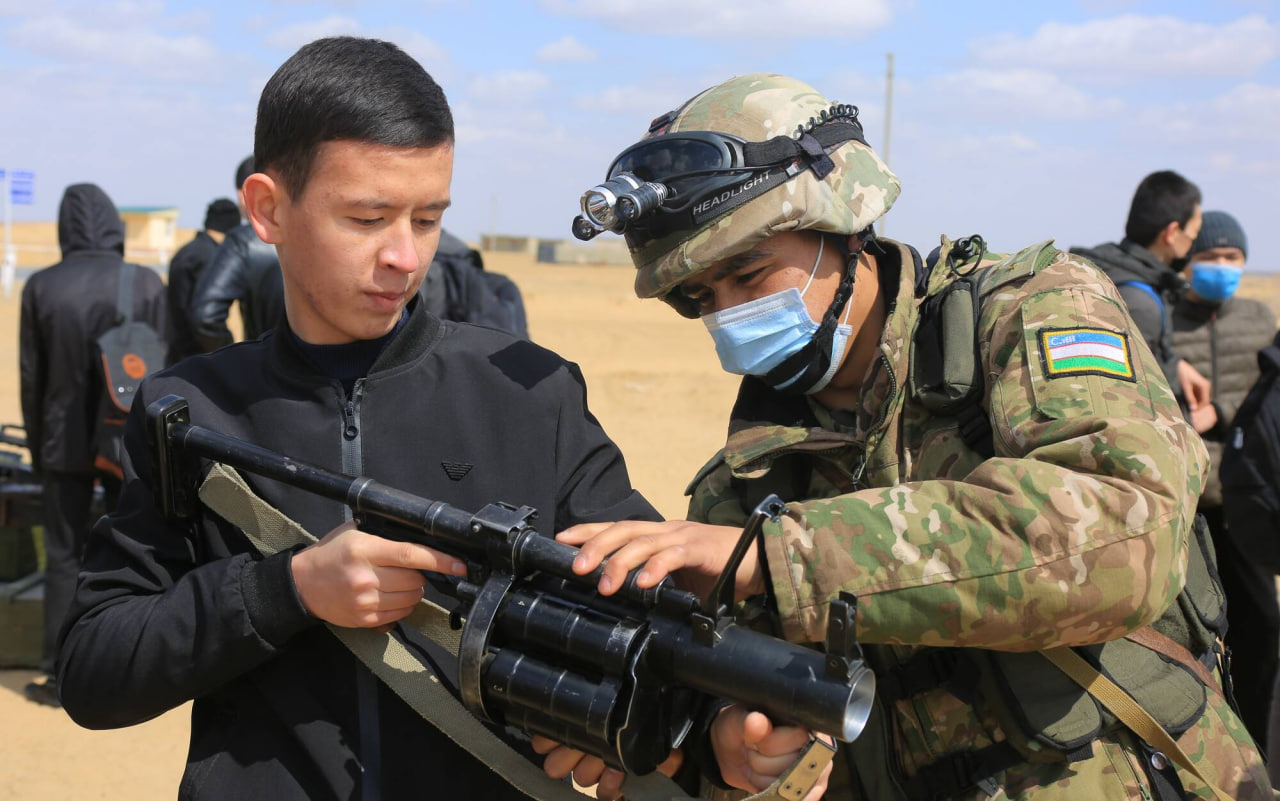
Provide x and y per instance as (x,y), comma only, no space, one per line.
(1085,351)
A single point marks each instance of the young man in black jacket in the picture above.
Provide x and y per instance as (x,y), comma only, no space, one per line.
(243,270)
(354,142)
(185,269)
(1164,219)
(65,308)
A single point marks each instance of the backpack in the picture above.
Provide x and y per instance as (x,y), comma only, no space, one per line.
(458,288)
(127,352)
(1250,471)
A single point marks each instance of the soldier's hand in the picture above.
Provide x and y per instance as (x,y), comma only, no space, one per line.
(699,551)
(752,753)
(1196,389)
(590,770)
(356,580)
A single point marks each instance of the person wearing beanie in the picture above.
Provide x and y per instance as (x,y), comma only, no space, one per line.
(185,269)
(1220,334)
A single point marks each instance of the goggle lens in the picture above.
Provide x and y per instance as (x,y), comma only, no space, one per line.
(663,159)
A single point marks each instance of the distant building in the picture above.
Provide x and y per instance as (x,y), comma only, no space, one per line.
(150,233)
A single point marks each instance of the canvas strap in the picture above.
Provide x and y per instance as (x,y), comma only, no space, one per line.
(1127,710)
(225,492)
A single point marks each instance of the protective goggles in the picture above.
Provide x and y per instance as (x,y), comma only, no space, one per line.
(692,177)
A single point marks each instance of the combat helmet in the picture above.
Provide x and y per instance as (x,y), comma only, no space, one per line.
(754,156)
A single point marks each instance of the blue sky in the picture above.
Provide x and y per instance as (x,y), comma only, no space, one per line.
(1019,121)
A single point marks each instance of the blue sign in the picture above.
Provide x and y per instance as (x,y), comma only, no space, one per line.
(22,187)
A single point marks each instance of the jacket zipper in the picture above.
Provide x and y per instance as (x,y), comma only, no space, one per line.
(366,684)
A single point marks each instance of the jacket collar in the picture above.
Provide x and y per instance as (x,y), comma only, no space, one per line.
(418,336)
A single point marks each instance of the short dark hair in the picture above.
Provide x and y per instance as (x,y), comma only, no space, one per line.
(344,87)
(244,170)
(1162,197)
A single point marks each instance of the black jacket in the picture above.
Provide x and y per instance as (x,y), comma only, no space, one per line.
(1129,262)
(244,269)
(65,308)
(165,613)
(185,269)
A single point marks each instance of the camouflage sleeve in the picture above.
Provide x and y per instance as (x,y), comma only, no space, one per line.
(1075,531)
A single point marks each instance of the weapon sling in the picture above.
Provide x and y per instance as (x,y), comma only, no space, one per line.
(225,492)
(1120,704)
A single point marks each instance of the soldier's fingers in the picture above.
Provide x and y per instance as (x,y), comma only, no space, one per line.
(561,761)
(588,771)
(543,745)
(610,786)
(576,535)
(643,550)
(756,726)
(783,740)
(605,539)
(767,768)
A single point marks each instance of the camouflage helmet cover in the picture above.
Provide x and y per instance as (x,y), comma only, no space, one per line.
(757,107)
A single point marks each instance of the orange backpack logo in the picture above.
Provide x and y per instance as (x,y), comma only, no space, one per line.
(134,365)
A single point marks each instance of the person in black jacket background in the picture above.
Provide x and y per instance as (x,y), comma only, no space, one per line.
(1164,220)
(65,308)
(243,269)
(185,269)
(354,143)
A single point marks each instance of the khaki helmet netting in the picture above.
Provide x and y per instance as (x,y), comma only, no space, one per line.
(757,107)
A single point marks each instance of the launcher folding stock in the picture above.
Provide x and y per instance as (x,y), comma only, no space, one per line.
(621,677)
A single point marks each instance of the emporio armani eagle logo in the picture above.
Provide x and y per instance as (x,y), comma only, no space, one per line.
(456,470)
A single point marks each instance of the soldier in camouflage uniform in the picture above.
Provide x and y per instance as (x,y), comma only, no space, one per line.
(1065,520)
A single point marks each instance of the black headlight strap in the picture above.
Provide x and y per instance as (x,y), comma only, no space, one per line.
(811,145)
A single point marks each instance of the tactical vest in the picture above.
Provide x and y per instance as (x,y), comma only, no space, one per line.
(1044,715)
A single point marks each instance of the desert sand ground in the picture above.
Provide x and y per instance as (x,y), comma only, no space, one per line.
(653,383)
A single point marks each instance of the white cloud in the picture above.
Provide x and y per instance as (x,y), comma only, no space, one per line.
(291,37)
(1249,111)
(566,49)
(512,87)
(425,50)
(1020,94)
(134,46)
(718,19)
(632,98)
(1134,45)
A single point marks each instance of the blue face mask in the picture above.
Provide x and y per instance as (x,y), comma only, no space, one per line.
(754,337)
(1215,282)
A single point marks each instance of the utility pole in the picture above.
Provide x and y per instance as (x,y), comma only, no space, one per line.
(888,118)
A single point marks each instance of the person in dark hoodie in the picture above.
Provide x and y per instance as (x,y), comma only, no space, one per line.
(65,308)
(1164,220)
(185,269)
(244,269)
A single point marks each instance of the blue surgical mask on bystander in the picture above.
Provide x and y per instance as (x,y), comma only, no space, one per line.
(1215,282)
